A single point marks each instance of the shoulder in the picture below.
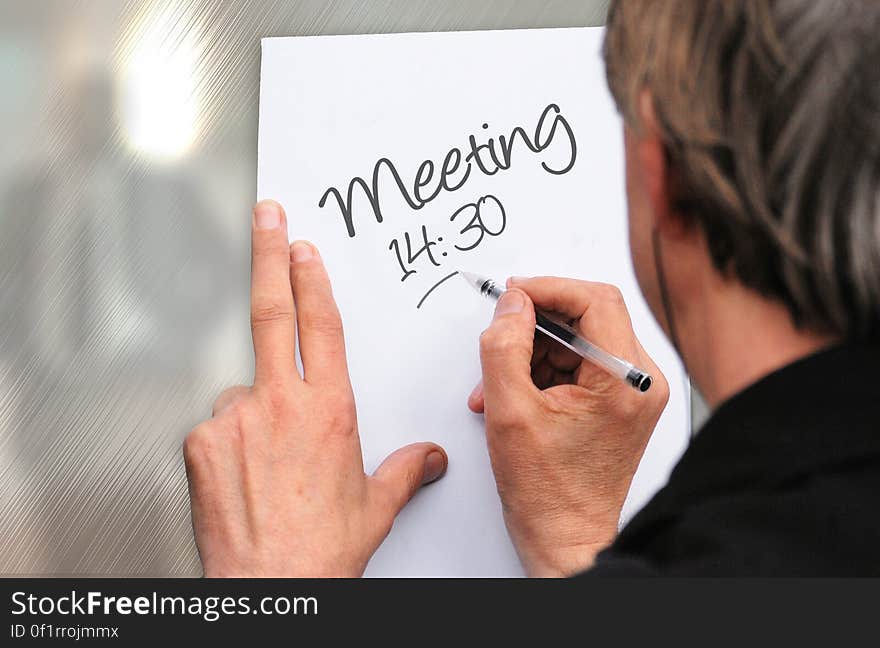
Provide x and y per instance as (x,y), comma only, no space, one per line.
(824,523)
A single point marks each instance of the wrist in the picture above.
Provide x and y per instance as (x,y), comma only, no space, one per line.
(563,562)
(559,544)
(559,556)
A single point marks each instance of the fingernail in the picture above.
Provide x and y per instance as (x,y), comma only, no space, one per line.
(510,302)
(302,251)
(267,215)
(515,280)
(435,466)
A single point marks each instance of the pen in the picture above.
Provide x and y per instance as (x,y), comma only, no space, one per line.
(569,338)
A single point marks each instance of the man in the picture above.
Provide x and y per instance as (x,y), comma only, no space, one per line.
(752,133)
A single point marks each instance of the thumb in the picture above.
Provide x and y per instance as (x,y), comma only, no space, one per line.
(506,353)
(406,470)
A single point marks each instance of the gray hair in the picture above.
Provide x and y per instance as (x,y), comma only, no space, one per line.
(770,111)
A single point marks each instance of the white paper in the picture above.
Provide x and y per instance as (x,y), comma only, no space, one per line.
(330,108)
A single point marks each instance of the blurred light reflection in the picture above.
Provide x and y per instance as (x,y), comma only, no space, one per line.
(159,103)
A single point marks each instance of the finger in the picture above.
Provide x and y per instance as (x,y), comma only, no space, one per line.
(321,339)
(213,470)
(564,378)
(563,359)
(475,400)
(599,308)
(272,314)
(540,349)
(227,397)
(408,469)
(542,375)
(570,298)
(506,353)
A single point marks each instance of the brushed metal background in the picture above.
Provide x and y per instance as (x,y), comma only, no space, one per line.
(124,252)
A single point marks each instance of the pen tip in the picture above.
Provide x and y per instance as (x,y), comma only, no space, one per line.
(472,279)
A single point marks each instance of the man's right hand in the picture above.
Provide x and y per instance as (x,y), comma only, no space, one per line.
(565,437)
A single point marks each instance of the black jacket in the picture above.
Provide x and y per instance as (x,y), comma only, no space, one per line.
(784,479)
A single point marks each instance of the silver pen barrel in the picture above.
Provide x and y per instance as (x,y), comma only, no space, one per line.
(569,338)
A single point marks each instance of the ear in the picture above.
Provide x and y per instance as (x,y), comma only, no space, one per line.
(659,178)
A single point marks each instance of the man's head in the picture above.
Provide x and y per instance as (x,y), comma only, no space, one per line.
(753,139)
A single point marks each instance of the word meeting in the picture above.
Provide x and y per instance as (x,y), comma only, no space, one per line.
(484,217)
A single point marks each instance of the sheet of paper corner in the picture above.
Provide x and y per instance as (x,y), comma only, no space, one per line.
(330,108)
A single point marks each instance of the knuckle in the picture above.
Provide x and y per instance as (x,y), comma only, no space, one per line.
(277,399)
(630,406)
(611,293)
(497,340)
(229,396)
(556,410)
(197,442)
(265,312)
(244,411)
(506,419)
(340,421)
(412,477)
(661,391)
(325,321)
(239,410)
(234,392)
(345,402)
(267,245)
